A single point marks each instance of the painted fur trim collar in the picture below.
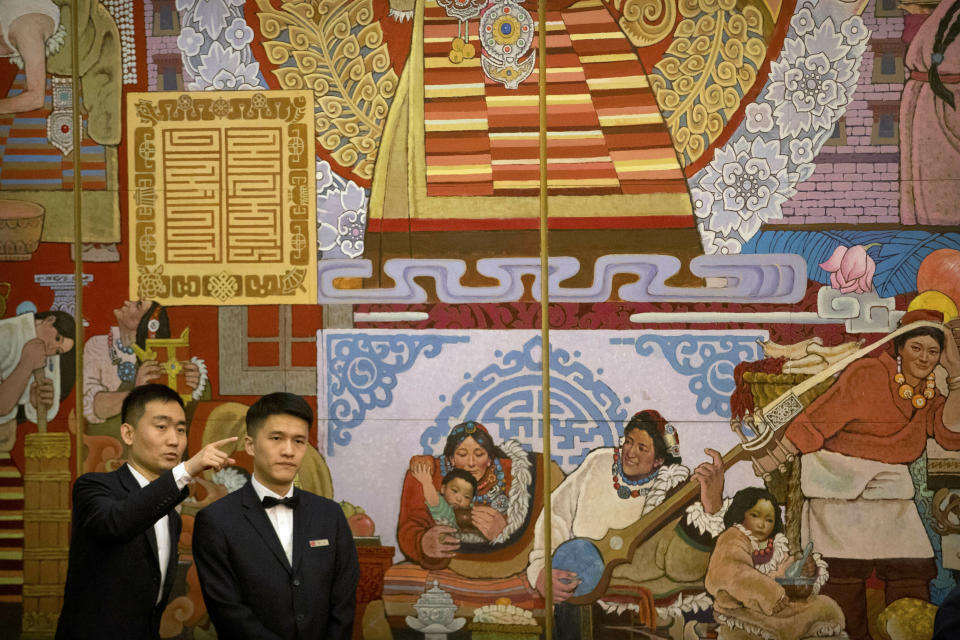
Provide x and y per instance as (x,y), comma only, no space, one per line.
(683,604)
(704,522)
(824,630)
(667,478)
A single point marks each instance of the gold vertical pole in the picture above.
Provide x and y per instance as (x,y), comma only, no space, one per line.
(77,231)
(545,319)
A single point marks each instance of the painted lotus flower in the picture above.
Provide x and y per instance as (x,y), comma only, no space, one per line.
(851,269)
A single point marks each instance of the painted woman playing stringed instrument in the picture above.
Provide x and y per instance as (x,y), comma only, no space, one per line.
(614,488)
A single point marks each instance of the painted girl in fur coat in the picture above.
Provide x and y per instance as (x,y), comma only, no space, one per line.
(749,555)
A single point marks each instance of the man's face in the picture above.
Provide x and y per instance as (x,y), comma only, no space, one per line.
(158,440)
(55,343)
(130,313)
(637,456)
(278,449)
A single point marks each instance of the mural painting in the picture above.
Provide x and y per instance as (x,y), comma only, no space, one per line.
(753,288)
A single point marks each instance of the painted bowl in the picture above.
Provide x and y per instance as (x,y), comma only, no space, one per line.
(799,588)
(21,224)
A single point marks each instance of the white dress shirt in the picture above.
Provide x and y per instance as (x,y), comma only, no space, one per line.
(162,526)
(281,517)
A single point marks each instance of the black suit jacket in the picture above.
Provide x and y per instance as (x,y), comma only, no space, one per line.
(946,625)
(249,587)
(113,574)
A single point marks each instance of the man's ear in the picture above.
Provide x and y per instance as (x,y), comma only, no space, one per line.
(126,433)
(248,445)
(657,463)
(49,320)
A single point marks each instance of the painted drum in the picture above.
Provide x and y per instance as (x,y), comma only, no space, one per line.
(582,557)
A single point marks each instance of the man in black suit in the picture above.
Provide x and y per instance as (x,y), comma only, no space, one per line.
(123,552)
(276,562)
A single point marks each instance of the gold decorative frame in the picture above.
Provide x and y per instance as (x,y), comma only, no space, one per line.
(222,197)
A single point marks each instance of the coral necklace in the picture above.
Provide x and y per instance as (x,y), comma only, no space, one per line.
(907,392)
(623,491)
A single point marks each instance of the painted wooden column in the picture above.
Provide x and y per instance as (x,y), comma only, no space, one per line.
(46,530)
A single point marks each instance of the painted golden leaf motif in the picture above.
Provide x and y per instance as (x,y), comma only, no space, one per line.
(336,50)
(647,22)
(708,68)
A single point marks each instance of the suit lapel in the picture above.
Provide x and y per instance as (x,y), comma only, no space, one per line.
(254,512)
(129,483)
(301,522)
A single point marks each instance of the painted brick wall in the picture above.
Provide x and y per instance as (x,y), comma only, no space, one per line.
(856,182)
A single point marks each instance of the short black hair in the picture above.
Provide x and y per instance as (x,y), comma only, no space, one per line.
(277,404)
(646,422)
(135,404)
(461,474)
(901,340)
(744,500)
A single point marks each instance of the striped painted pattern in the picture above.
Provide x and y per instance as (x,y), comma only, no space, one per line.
(605,132)
(31,163)
(11,530)
(404,583)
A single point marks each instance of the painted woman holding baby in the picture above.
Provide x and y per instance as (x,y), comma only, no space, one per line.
(499,513)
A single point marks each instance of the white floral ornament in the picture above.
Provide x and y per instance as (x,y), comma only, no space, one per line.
(239,34)
(812,82)
(801,150)
(189,41)
(221,68)
(758,117)
(808,89)
(341,214)
(854,30)
(753,182)
(802,21)
(215,44)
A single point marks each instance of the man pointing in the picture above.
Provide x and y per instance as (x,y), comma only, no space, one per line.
(123,551)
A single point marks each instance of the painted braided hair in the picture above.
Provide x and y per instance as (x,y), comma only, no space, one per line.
(947,32)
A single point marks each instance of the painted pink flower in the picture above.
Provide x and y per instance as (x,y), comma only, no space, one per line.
(851,269)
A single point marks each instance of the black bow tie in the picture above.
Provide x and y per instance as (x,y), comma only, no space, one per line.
(270,501)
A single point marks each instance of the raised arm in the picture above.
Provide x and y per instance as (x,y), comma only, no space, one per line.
(27,35)
(420,539)
(950,360)
(32,356)
(100,514)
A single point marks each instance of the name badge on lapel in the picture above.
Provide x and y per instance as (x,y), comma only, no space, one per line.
(320,542)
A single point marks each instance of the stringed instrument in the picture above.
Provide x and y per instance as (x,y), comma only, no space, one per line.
(594,560)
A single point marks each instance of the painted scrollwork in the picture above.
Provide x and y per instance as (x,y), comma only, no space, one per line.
(335,48)
(647,22)
(712,62)
(946,512)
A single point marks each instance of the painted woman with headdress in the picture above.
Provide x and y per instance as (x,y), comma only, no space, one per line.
(500,515)
(614,488)
(857,440)
(111,369)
